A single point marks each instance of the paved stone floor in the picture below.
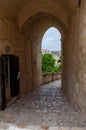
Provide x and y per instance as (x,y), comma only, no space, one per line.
(45,108)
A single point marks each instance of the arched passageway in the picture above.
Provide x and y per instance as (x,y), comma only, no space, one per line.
(25,26)
(38,26)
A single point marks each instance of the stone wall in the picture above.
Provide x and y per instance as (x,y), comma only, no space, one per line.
(74,59)
(49,77)
(72,24)
(10,36)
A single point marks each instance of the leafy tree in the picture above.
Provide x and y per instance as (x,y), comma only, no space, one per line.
(48,64)
(57,69)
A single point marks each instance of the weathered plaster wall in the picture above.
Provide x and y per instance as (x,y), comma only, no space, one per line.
(74,59)
(10,36)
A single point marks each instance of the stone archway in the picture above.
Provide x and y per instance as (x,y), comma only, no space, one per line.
(34,30)
(25,26)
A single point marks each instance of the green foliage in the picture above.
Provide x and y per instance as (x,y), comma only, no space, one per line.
(59,62)
(57,69)
(48,64)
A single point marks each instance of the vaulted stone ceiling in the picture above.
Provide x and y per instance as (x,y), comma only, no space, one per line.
(13,8)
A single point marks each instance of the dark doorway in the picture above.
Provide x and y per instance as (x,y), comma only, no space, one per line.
(2,85)
(14,80)
(9,80)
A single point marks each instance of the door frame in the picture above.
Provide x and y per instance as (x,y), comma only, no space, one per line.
(2,82)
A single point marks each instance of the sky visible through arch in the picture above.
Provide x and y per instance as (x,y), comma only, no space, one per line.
(51,40)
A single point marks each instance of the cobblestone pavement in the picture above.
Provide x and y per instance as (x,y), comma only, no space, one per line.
(46,106)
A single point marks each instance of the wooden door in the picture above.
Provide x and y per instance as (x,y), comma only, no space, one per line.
(2,85)
(7,77)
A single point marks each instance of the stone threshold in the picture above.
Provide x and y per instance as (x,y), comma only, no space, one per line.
(8,126)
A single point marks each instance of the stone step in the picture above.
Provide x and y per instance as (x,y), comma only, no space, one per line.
(8,126)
